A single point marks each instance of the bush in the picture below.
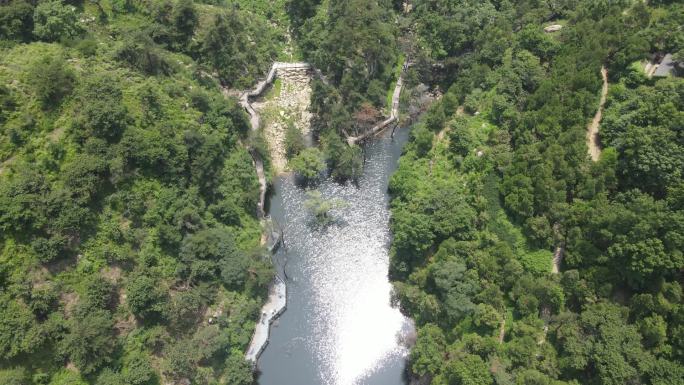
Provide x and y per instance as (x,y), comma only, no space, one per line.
(54,21)
(52,80)
(538,262)
(308,164)
(294,143)
(16,20)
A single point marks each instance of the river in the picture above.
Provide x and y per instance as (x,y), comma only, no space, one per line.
(339,327)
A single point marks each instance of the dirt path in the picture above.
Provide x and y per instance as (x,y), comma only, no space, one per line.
(557,259)
(592,129)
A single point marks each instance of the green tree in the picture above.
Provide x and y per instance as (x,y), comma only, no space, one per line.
(422,140)
(54,21)
(19,333)
(185,20)
(181,359)
(145,299)
(467,370)
(308,164)
(213,252)
(238,370)
(90,342)
(321,208)
(16,20)
(294,143)
(52,80)
(102,111)
(426,355)
(461,141)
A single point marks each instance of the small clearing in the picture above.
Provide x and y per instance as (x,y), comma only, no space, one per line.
(6,163)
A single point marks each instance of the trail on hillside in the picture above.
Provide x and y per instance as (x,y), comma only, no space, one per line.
(592,129)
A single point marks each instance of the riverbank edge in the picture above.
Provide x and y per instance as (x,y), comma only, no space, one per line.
(276,302)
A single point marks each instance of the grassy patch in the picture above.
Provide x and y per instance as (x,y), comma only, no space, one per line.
(538,262)
(274,90)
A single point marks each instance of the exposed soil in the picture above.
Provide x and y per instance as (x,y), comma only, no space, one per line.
(592,130)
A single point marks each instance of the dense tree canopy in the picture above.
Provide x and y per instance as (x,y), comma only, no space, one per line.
(486,194)
(127,200)
(129,241)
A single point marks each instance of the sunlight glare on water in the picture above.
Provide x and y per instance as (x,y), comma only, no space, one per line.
(355,329)
(350,328)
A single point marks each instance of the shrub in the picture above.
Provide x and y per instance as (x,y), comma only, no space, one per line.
(294,143)
(308,164)
(15,376)
(51,80)
(54,21)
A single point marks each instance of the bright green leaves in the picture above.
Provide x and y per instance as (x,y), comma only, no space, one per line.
(308,164)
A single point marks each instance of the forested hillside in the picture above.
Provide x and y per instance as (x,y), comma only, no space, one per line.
(354,44)
(129,244)
(497,179)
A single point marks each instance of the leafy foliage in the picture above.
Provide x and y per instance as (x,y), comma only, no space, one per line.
(480,209)
(127,202)
(54,21)
(308,164)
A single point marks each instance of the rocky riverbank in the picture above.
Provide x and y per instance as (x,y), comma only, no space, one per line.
(286,103)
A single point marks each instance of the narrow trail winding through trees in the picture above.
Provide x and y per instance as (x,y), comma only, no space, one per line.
(592,129)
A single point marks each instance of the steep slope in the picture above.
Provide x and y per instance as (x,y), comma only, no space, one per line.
(129,240)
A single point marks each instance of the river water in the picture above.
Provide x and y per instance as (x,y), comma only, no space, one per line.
(339,327)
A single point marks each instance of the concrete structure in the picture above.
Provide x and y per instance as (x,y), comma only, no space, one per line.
(254,120)
(666,67)
(553,28)
(274,307)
